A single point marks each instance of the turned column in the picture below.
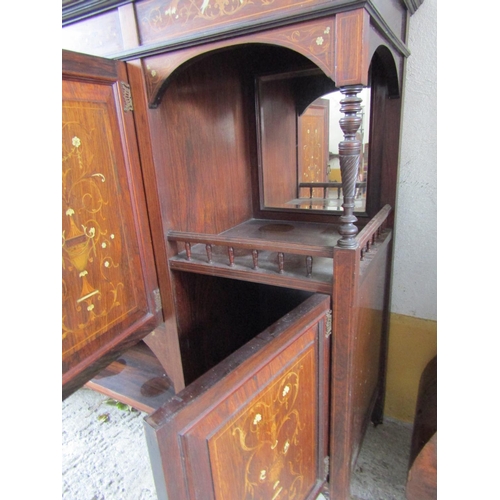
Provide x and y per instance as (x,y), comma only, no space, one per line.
(349,157)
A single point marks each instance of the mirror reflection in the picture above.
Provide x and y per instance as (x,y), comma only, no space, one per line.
(300,166)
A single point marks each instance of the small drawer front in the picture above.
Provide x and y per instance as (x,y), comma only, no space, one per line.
(255,426)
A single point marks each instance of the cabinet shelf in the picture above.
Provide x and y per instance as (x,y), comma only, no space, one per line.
(283,253)
(136,378)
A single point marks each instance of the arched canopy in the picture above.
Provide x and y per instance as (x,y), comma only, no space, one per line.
(314,40)
(383,59)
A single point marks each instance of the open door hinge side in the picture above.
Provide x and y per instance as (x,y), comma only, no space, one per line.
(328,316)
(128,104)
(157,299)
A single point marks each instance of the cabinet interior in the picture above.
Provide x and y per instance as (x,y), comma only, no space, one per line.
(216,316)
(207,146)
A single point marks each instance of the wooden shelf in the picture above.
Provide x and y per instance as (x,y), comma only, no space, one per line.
(303,234)
(282,253)
(136,378)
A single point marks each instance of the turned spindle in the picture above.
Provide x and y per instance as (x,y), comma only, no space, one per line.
(255,258)
(281,262)
(230,252)
(209,253)
(349,157)
(187,246)
(309,266)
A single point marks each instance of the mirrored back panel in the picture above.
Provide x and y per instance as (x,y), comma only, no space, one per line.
(298,116)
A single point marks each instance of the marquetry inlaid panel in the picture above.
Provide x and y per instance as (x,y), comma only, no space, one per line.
(170,19)
(102,285)
(268,450)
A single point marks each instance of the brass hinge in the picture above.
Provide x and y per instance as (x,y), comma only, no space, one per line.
(157,299)
(128,105)
(326,470)
(328,323)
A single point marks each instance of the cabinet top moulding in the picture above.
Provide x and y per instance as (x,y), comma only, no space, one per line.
(77,10)
(164,26)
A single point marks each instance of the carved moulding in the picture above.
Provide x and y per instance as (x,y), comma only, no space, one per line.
(313,39)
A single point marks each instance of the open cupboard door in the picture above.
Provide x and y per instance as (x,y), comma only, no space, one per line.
(255,425)
(109,280)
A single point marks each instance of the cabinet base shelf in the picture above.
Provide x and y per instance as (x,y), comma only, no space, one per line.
(136,378)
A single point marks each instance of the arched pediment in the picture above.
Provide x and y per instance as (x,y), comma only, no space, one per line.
(312,39)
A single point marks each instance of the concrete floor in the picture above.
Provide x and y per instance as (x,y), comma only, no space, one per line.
(104,455)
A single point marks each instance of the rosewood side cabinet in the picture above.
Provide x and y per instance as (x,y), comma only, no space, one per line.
(216,274)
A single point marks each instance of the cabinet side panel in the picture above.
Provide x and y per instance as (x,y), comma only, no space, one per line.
(368,350)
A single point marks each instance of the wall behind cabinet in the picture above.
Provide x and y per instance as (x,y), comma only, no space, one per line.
(413,328)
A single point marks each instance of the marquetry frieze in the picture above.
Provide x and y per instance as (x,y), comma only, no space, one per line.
(313,39)
(164,20)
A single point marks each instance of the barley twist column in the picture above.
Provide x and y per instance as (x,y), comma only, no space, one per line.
(349,156)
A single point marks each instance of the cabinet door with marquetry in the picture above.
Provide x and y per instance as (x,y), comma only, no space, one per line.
(109,281)
(254,426)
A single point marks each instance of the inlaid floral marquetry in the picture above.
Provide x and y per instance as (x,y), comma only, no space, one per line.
(313,39)
(97,252)
(165,19)
(268,450)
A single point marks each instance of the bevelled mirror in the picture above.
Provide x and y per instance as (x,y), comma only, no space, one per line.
(298,117)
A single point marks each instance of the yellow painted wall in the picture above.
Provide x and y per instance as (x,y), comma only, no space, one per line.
(412,344)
